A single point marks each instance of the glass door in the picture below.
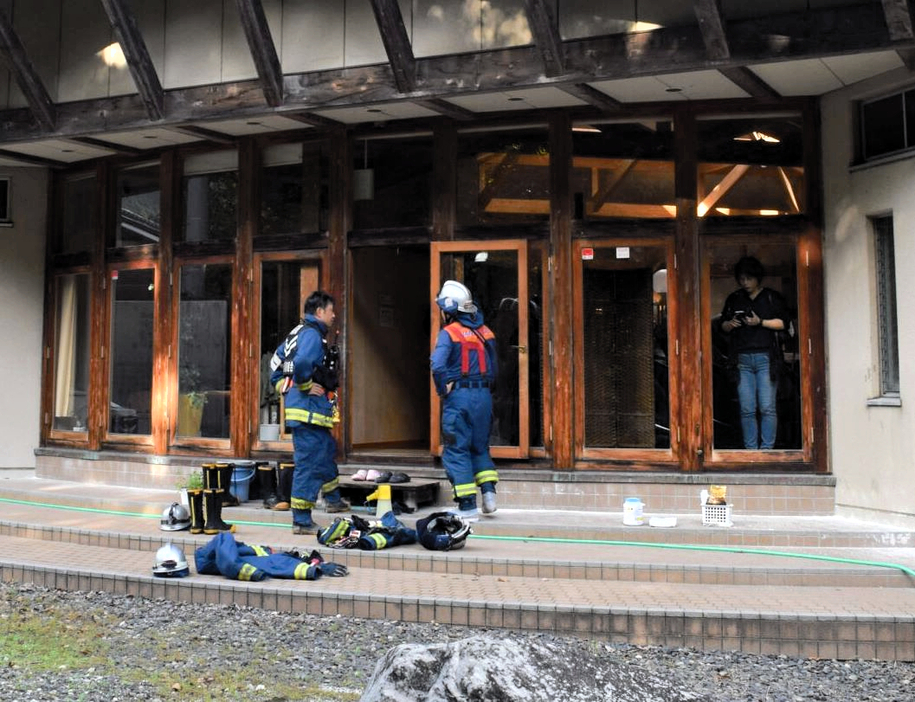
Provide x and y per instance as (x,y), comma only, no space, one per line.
(625,349)
(496,272)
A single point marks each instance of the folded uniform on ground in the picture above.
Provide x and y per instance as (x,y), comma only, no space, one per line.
(236,560)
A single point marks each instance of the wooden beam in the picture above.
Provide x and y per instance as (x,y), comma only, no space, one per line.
(27,78)
(898,19)
(311,119)
(546,36)
(124,24)
(396,44)
(263,50)
(446,109)
(725,184)
(120,149)
(748,81)
(32,160)
(592,96)
(711,24)
(205,134)
(616,177)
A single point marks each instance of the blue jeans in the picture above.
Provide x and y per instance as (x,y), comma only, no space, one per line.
(756,391)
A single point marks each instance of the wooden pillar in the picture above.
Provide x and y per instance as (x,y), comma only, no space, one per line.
(97,415)
(689,339)
(444,180)
(245,360)
(335,272)
(561,303)
(164,406)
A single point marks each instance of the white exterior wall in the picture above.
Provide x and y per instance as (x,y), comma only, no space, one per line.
(22,250)
(872,447)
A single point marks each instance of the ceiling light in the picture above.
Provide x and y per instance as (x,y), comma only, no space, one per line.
(373,109)
(758,136)
(673,90)
(254,123)
(150,136)
(586,128)
(66,151)
(515,99)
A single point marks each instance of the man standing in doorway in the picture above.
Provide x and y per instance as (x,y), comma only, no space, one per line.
(464,369)
(304,373)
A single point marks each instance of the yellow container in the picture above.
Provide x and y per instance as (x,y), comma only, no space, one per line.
(382,495)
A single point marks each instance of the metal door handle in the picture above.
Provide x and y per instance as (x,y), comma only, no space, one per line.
(521,349)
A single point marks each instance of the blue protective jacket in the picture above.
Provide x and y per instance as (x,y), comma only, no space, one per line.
(305,346)
(464,350)
(223,555)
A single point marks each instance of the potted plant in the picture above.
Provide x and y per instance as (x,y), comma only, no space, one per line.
(191,401)
(191,481)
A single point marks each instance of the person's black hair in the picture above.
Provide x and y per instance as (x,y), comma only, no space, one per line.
(750,267)
(317,300)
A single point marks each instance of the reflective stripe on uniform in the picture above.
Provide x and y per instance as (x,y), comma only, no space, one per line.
(380,541)
(305,387)
(299,503)
(247,571)
(301,571)
(465,490)
(261,550)
(486,476)
(307,417)
(330,485)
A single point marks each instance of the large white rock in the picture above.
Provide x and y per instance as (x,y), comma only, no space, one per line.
(489,669)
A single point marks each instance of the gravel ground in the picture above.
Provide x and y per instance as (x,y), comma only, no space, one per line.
(94,646)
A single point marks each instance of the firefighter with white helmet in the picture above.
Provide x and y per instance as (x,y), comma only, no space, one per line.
(464,369)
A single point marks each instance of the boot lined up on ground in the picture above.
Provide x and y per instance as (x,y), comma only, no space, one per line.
(284,486)
(266,479)
(195,507)
(212,507)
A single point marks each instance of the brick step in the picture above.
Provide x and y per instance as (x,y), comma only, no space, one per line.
(833,622)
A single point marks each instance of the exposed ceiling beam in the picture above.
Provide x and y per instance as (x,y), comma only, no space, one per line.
(592,96)
(846,30)
(396,43)
(546,36)
(27,78)
(711,24)
(899,23)
(32,160)
(446,109)
(121,149)
(311,119)
(751,83)
(205,134)
(263,50)
(139,61)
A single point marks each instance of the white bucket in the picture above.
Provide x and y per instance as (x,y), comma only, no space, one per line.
(632,512)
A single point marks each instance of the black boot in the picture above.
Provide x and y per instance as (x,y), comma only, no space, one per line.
(212,506)
(195,505)
(224,471)
(266,479)
(284,486)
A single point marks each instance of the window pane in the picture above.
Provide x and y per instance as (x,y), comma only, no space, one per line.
(624,308)
(752,166)
(204,349)
(79,215)
(130,392)
(71,371)
(537,255)
(392,183)
(886,305)
(756,372)
(210,191)
(294,189)
(503,177)
(623,170)
(138,206)
(882,126)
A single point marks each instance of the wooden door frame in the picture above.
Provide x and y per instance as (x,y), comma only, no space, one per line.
(520,246)
(627,457)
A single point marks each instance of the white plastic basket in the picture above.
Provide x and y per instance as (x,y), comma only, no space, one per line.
(716,515)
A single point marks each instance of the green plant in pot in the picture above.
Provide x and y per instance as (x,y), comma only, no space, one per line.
(191,400)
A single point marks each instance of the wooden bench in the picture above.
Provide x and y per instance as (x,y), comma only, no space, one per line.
(418,492)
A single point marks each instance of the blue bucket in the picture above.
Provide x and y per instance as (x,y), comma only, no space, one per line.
(241,479)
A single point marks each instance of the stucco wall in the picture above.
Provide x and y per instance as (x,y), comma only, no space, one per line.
(21,308)
(872,447)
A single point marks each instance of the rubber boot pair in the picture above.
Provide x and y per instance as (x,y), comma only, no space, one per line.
(266,479)
(218,476)
(206,512)
(284,486)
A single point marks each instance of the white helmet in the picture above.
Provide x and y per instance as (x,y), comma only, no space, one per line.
(175,518)
(455,297)
(170,562)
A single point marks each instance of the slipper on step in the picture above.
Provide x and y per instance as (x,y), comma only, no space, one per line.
(360,474)
(383,477)
(400,478)
(372,475)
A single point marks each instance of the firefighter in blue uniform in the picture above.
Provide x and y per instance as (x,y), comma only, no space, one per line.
(304,372)
(464,369)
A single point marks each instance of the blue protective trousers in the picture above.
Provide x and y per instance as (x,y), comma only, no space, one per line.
(466,422)
(314,452)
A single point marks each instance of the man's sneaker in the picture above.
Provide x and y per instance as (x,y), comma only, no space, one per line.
(489,502)
(338,506)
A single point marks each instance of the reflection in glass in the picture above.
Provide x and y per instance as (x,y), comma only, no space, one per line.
(780,275)
(138,206)
(537,254)
(458,26)
(71,368)
(492,277)
(79,216)
(204,346)
(392,182)
(627,396)
(210,189)
(294,189)
(503,177)
(751,166)
(623,170)
(131,351)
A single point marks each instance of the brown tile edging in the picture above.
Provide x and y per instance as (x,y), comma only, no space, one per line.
(842,637)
